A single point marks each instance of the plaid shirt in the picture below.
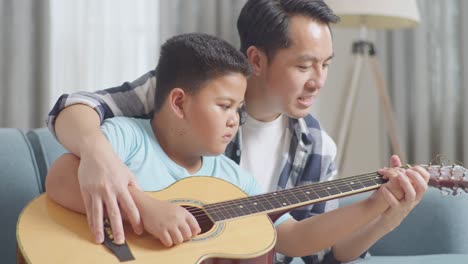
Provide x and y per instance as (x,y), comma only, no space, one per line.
(311,150)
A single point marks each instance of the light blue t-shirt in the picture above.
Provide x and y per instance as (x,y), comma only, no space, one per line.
(134,142)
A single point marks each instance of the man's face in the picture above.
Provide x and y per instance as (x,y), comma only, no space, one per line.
(212,115)
(294,75)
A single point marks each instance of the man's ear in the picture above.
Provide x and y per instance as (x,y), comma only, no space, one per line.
(177,100)
(257,59)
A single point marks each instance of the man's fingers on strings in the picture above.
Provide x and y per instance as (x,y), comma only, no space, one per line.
(389,197)
(389,173)
(410,192)
(395,161)
(424,173)
(419,183)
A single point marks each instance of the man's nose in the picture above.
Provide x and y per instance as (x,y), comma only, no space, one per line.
(317,80)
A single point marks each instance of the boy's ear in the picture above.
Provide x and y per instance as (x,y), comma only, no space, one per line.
(257,59)
(177,100)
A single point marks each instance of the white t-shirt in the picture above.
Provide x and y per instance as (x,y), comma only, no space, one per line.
(264,148)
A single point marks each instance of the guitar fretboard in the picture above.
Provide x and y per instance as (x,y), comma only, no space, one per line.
(295,197)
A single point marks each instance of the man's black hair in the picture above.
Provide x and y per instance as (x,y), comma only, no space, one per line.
(188,61)
(265,23)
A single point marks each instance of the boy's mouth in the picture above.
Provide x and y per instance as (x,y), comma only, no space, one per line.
(227,137)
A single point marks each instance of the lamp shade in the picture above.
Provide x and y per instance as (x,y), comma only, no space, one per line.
(376,14)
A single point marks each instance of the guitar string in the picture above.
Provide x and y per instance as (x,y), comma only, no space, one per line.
(292,193)
(227,206)
(224,207)
(221,207)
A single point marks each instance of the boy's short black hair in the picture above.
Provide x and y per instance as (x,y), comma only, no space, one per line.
(265,23)
(188,61)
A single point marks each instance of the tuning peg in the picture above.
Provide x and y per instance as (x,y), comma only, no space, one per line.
(455,192)
(465,189)
(444,191)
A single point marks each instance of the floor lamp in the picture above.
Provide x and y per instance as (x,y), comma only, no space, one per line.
(365,15)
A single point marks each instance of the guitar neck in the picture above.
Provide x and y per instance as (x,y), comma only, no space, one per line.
(451,179)
(289,199)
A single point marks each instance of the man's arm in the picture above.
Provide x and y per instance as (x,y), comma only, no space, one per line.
(173,227)
(300,238)
(361,240)
(103,178)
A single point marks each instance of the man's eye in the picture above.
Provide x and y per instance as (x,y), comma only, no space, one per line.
(303,67)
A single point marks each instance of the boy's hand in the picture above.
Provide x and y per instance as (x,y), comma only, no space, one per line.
(104,181)
(402,197)
(170,223)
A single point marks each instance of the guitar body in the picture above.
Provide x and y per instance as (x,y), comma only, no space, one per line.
(50,233)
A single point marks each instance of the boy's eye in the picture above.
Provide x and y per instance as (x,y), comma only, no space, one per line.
(225,107)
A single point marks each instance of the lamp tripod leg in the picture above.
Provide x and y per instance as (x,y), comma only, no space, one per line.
(348,109)
(387,107)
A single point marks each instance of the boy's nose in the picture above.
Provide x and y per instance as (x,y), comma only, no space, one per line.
(232,121)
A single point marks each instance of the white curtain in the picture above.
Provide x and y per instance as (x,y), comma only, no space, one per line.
(428,77)
(215,17)
(101,44)
(24,63)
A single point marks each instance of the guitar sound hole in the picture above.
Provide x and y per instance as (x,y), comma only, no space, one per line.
(203,220)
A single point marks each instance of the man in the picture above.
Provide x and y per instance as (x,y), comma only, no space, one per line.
(288,44)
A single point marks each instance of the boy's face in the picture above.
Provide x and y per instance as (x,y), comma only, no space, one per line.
(293,78)
(212,113)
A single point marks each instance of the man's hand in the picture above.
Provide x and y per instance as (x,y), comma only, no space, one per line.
(170,223)
(104,182)
(403,198)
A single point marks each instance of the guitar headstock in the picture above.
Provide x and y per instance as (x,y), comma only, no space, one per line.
(449,179)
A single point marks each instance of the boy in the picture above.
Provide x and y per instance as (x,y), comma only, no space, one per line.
(289,47)
(202,81)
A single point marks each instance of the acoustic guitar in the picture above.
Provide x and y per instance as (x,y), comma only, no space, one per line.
(235,228)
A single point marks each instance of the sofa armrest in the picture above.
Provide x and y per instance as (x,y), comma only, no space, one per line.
(19,183)
(438,225)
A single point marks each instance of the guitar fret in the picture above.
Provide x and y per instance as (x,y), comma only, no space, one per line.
(280,199)
(274,200)
(294,197)
(256,205)
(333,190)
(301,196)
(311,195)
(345,188)
(322,193)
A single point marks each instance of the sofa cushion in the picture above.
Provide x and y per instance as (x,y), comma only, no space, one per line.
(20,183)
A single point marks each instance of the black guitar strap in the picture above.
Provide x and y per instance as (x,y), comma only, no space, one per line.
(122,252)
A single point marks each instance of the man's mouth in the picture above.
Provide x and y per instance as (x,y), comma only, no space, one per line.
(306,100)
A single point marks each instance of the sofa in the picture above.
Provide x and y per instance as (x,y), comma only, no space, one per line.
(435,232)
